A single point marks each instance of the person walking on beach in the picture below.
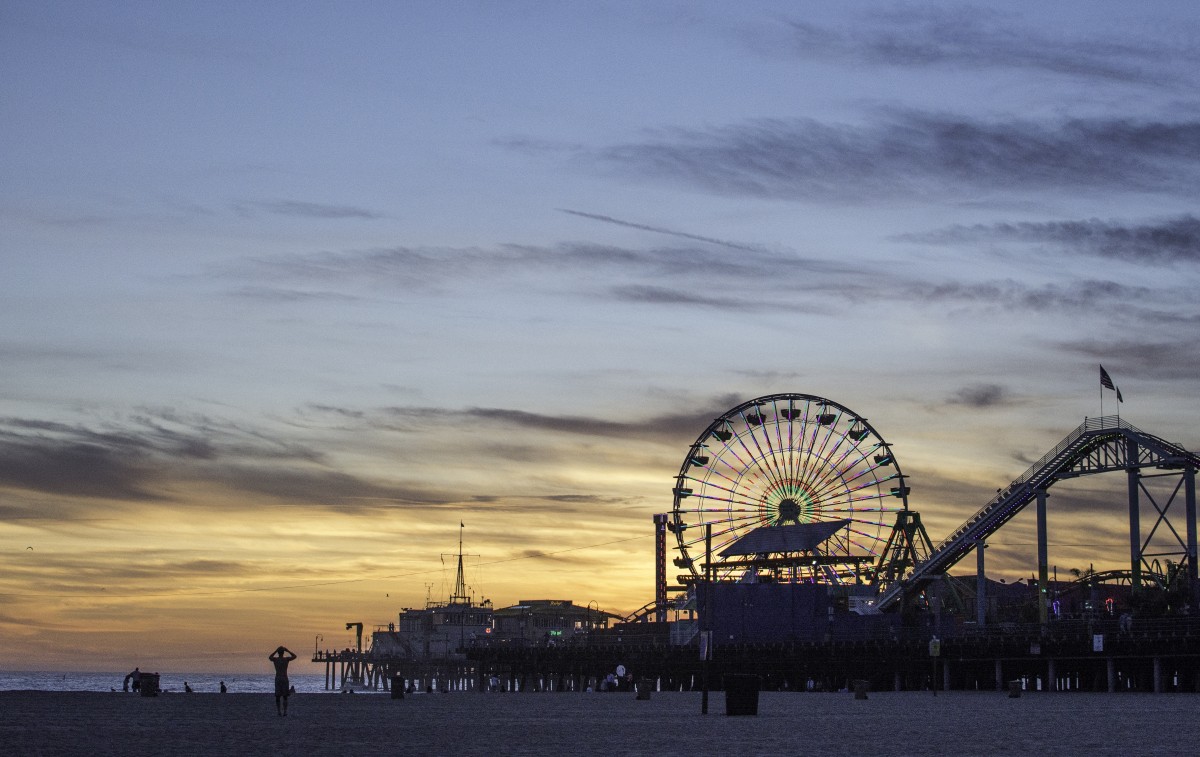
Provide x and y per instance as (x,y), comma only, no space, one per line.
(280,659)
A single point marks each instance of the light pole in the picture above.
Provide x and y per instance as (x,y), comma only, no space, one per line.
(317,644)
(591,621)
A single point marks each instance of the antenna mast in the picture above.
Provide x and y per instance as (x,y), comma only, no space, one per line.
(460,584)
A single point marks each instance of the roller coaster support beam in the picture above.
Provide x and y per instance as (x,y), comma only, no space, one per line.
(980,585)
(660,567)
(1043,559)
(1189,498)
(1135,529)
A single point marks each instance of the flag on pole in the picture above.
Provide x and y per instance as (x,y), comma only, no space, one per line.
(1107,382)
(461,524)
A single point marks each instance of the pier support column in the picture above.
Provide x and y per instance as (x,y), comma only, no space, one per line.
(897,681)
(1158,682)
(1000,685)
(1051,676)
(1112,675)
(945,675)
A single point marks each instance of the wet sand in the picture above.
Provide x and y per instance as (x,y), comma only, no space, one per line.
(888,723)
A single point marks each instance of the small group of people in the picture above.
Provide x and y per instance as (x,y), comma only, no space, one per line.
(283,688)
(133,682)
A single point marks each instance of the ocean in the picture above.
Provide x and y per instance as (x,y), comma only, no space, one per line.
(201,683)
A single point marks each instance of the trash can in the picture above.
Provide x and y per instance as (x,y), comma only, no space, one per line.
(860,689)
(643,688)
(741,694)
(1014,689)
(397,687)
(149,684)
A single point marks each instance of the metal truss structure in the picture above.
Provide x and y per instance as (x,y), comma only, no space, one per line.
(1099,445)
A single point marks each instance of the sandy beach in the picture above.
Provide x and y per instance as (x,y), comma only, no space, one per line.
(909,723)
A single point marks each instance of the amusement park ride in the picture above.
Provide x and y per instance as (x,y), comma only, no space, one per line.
(798,489)
(792,526)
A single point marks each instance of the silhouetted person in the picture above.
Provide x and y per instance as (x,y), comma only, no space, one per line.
(187,689)
(136,677)
(280,659)
(223,689)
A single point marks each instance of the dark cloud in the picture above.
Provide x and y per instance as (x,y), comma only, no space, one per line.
(153,455)
(1174,359)
(1078,295)
(919,155)
(1165,241)
(970,39)
(980,396)
(652,295)
(558,558)
(667,427)
(76,468)
(298,209)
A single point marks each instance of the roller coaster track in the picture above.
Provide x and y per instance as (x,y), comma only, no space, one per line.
(1098,445)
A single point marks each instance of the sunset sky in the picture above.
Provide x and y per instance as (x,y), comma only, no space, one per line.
(290,289)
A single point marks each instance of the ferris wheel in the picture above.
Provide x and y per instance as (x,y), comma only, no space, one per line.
(788,459)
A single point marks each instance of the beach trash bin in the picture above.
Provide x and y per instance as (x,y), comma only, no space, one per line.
(741,694)
(860,689)
(149,685)
(1014,689)
(643,688)
(397,687)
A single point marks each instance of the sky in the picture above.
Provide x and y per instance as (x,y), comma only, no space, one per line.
(292,289)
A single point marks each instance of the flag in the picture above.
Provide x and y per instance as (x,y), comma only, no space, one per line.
(1107,382)
(461,524)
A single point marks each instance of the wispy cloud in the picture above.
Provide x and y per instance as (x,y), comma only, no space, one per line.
(1165,241)
(280,294)
(972,39)
(910,154)
(298,209)
(430,270)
